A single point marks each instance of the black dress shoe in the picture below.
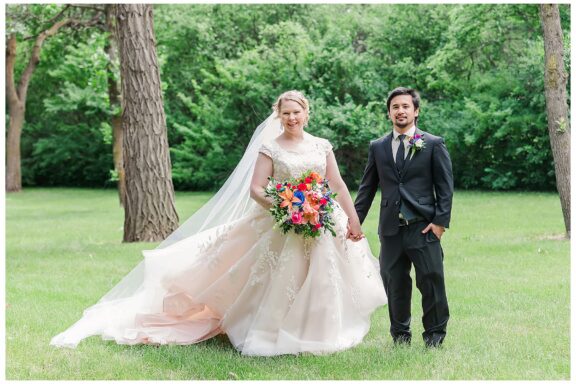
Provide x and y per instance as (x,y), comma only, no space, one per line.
(434,341)
(402,339)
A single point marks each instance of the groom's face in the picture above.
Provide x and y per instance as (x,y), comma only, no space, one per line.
(402,111)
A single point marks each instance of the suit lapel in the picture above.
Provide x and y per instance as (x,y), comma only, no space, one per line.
(387,146)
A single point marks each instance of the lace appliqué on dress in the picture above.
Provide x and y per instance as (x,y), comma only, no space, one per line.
(336,282)
(292,163)
(292,290)
(308,244)
(267,261)
(266,149)
(212,245)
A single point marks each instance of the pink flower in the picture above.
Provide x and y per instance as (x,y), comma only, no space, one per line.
(297,218)
(311,214)
(278,186)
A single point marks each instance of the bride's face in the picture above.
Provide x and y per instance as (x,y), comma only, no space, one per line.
(293,116)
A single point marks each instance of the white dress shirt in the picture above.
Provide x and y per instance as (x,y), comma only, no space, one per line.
(396,141)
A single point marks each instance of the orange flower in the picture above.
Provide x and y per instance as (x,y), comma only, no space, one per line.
(289,198)
(315,176)
(314,198)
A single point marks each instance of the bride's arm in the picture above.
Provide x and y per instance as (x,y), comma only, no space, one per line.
(262,169)
(337,185)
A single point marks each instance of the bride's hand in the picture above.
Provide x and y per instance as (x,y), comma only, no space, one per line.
(354,232)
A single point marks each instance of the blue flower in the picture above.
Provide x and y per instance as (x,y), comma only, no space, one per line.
(300,196)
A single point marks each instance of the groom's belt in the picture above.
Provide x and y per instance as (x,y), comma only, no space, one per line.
(404,222)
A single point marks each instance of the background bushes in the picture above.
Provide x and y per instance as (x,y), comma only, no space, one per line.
(479,69)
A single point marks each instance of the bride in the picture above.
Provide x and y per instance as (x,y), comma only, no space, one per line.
(228,270)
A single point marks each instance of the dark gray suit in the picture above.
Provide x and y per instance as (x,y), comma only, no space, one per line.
(424,186)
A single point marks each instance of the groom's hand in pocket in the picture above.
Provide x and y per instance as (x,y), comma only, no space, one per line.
(438,230)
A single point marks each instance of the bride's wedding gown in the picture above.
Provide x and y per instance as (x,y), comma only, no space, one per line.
(271,293)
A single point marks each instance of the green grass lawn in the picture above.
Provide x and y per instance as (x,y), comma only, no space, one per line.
(507,275)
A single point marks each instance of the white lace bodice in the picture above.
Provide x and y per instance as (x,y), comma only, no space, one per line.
(292,163)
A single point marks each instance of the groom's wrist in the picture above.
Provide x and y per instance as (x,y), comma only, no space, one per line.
(440,226)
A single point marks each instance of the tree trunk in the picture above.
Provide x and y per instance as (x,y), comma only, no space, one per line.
(556,105)
(16,111)
(114,96)
(17,102)
(13,172)
(149,212)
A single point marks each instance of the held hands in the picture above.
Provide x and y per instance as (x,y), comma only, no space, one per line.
(354,232)
(438,230)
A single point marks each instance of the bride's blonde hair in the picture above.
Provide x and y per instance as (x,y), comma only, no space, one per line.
(293,95)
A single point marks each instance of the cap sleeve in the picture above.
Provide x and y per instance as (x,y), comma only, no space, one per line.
(325,145)
(266,148)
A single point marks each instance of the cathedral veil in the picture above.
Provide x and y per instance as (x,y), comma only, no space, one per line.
(231,202)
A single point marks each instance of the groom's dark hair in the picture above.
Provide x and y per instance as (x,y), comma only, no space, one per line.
(404,91)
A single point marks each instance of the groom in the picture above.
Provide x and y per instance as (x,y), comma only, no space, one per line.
(414,172)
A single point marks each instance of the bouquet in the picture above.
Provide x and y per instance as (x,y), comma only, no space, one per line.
(303,204)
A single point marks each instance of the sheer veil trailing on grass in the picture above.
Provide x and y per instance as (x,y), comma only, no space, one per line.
(231,202)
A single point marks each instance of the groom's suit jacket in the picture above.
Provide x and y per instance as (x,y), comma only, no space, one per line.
(426,183)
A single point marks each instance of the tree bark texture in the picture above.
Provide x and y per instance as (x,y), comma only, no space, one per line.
(16,97)
(115,103)
(16,111)
(149,212)
(555,78)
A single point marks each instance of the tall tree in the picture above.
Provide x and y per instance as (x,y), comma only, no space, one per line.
(16,94)
(16,97)
(556,105)
(149,212)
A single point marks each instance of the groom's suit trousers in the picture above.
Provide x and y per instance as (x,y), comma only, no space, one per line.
(397,253)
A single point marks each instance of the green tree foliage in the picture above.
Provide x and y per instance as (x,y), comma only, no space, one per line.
(70,142)
(479,69)
(491,106)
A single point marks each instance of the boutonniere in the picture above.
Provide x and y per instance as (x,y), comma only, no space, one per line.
(416,144)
